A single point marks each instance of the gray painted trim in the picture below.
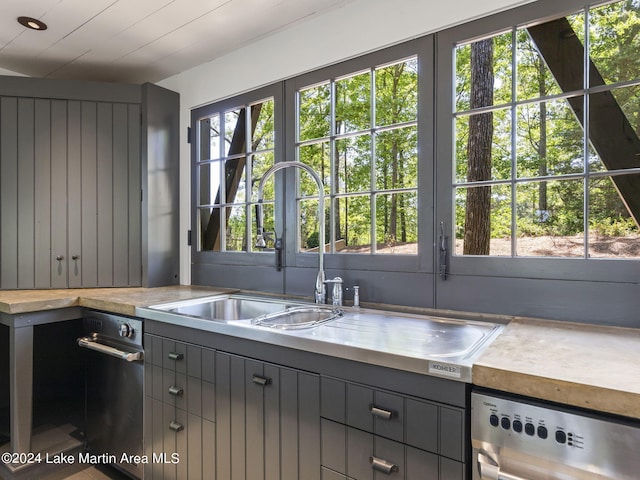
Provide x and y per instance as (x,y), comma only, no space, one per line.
(69,89)
(575,300)
(160,184)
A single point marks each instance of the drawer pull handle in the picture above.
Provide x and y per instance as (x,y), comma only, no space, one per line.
(383,466)
(176,356)
(175,391)
(262,381)
(175,426)
(382,412)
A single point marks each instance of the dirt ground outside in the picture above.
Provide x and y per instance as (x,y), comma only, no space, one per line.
(544,246)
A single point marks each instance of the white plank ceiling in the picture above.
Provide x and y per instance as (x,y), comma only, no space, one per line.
(137,41)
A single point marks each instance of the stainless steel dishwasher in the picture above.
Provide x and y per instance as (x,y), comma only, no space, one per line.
(522,439)
(114,390)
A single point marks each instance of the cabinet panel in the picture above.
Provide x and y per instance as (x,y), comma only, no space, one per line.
(208,450)
(194,454)
(278,432)
(75,255)
(8,193)
(423,439)
(70,201)
(333,399)
(268,419)
(59,260)
(255,419)
(359,451)
(331,475)
(452,439)
(26,200)
(423,465)
(223,416)
(180,423)
(104,192)
(358,400)
(334,445)
(308,425)
(387,411)
(451,470)
(42,148)
(89,201)
(422,425)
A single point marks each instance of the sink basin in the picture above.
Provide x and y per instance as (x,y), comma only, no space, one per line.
(298,317)
(225,307)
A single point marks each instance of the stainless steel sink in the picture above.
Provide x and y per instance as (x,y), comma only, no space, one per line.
(266,312)
(298,317)
(225,308)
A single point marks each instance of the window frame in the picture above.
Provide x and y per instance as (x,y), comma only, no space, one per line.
(621,270)
(423,261)
(274,91)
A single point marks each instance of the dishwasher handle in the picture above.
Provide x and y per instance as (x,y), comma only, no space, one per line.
(87,342)
(490,470)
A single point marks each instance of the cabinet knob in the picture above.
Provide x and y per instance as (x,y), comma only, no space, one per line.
(176,356)
(177,391)
(60,258)
(175,426)
(262,381)
(381,465)
(382,413)
(75,257)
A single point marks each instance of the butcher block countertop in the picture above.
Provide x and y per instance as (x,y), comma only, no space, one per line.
(589,366)
(116,300)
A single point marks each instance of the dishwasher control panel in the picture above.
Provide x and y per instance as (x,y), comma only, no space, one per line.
(517,421)
(504,425)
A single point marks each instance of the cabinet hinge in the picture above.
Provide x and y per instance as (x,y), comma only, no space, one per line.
(188,134)
(189,237)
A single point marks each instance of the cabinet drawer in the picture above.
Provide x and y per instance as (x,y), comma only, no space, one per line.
(420,423)
(363,407)
(363,456)
(182,358)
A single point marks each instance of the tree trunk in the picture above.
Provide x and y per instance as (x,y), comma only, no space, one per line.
(542,146)
(477,233)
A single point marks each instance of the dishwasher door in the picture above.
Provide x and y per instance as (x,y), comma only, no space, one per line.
(521,439)
(114,393)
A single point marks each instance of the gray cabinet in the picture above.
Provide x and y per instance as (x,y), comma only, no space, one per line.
(268,421)
(370,433)
(88,184)
(179,410)
(71,184)
(325,419)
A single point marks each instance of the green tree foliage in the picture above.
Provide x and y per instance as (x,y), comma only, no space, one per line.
(372,139)
(535,118)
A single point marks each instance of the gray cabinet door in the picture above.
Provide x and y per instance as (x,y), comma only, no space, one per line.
(267,421)
(70,193)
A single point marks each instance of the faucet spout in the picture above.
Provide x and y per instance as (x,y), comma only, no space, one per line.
(320,287)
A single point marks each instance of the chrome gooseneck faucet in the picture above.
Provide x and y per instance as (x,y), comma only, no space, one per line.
(320,288)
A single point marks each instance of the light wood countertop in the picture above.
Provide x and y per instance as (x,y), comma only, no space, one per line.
(587,366)
(116,300)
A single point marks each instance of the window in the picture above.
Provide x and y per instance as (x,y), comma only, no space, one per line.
(490,167)
(547,150)
(235,146)
(360,132)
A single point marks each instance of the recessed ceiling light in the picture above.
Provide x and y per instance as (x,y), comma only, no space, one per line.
(32,23)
